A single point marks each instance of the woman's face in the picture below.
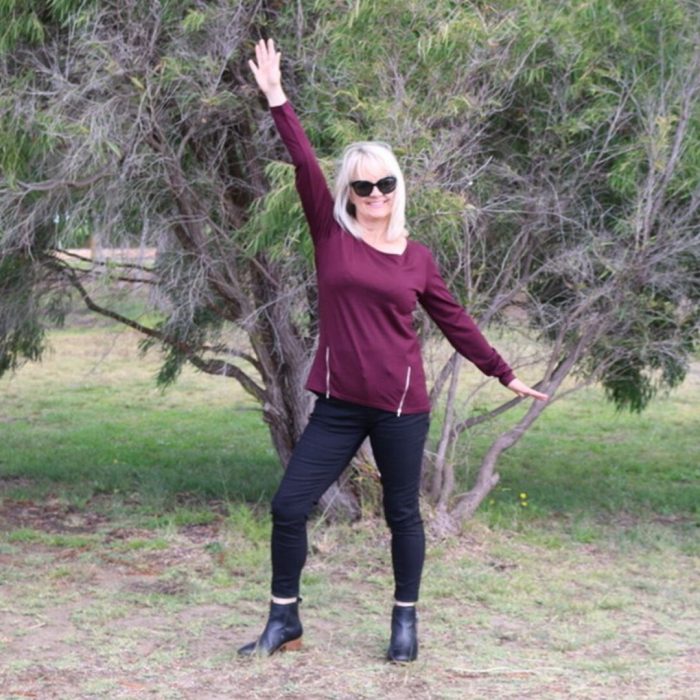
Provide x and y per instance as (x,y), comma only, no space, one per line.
(376,205)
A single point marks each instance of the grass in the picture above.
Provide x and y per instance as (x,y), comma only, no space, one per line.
(585,459)
(585,455)
(94,407)
(134,551)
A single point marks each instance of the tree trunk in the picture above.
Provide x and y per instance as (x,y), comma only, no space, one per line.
(443,475)
(487,477)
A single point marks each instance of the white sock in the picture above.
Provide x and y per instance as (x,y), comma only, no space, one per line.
(404,605)
(283,601)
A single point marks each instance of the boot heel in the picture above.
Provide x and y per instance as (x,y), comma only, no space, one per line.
(292,645)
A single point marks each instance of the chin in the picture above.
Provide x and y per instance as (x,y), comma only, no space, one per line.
(378,212)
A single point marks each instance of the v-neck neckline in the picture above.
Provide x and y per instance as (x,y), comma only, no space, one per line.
(384,252)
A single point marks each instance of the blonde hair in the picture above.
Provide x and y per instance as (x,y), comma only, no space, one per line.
(354,156)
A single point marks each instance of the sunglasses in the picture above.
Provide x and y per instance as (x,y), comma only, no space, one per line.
(363,188)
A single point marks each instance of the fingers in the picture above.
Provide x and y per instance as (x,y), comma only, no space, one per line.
(537,395)
(267,61)
(266,70)
(265,53)
(532,393)
(524,391)
(259,54)
(256,65)
(263,48)
(255,70)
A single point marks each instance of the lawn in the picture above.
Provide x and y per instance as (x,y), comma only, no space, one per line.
(134,551)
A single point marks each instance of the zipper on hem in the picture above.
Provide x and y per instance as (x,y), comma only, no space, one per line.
(405,391)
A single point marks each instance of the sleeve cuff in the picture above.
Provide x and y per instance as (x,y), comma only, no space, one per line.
(507,378)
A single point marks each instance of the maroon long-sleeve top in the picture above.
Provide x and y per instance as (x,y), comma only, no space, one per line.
(368,350)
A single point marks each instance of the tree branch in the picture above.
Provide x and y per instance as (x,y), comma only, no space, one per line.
(218,367)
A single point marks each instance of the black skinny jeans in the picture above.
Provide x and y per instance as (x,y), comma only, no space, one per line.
(334,433)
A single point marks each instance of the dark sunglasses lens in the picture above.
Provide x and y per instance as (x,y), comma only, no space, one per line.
(362,188)
(387,184)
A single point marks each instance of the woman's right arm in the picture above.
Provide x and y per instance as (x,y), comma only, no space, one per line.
(310,181)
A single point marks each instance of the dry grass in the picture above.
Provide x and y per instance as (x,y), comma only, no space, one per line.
(108,610)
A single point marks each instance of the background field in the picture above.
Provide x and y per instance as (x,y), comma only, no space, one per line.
(134,531)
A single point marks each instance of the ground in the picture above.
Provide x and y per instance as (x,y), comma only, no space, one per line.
(96,608)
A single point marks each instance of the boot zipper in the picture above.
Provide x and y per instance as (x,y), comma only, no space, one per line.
(405,391)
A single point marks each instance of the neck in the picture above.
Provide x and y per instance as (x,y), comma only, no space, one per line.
(373,229)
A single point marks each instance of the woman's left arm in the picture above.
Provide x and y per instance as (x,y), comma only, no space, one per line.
(464,335)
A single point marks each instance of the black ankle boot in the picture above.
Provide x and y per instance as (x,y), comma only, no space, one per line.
(404,634)
(282,632)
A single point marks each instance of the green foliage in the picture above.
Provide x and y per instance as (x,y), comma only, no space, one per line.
(535,137)
(25,341)
(194,21)
(29,21)
(277,227)
(626,384)
(607,64)
(22,142)
(21,336)
(188,331)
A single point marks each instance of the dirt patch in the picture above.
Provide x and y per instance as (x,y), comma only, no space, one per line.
(51,515)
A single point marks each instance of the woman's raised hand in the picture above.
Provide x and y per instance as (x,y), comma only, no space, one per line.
(266,69)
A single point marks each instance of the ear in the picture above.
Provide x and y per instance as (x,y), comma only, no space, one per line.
(351,209)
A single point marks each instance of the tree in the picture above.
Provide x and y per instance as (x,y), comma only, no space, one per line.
(600,130)
(148,132)
(552,150)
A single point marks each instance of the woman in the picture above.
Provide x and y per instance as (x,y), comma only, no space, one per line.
(367,372)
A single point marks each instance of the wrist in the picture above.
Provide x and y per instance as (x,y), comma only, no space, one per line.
(508,378)
(276,97)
